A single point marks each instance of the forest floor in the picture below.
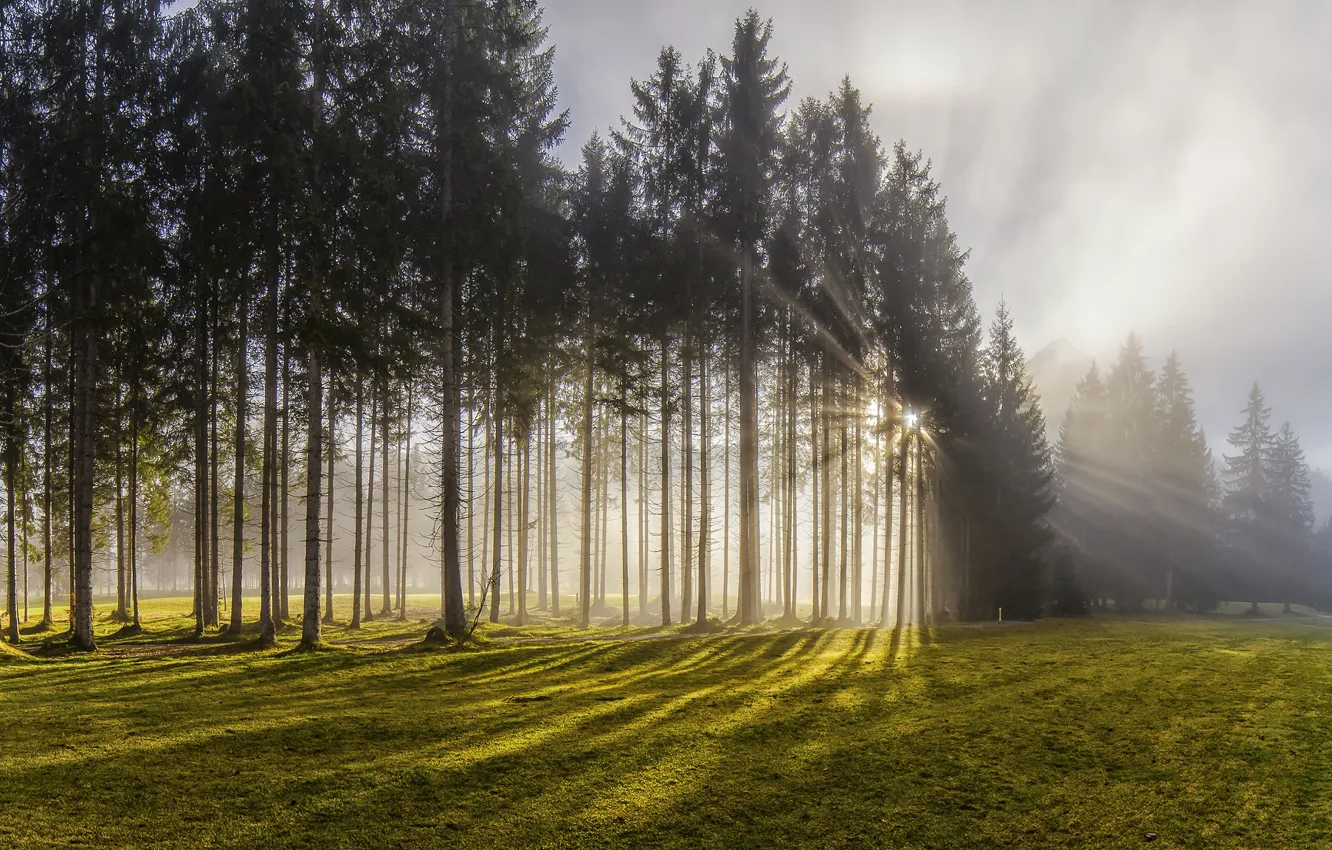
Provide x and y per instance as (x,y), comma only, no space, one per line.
(1200,731)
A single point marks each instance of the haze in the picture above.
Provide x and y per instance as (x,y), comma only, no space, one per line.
(1113,166)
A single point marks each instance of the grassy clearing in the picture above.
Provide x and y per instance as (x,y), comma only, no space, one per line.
(1208,733)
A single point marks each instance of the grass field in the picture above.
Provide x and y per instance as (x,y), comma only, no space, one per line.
(1092,733)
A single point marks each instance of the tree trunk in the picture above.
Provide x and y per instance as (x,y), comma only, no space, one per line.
(406,511)
(134,505)
(284,523)
(201,500)
(238,498)
(726,496)
(267,616)
(903,459)
(826,488)
(750,605)
(642,530)
(687,460)
(369,614)
(455,620)
(328,540)
(498,451)
(624,499)
(857,500)
(524,503)
(843,517)
(814,461)
(360,503)
(310,623)
(122,613)
(48,454)
(704,512)
(214,484)
(665,484)
(386,599)
(554,518)
(585,550)
(542,481)
(11,539)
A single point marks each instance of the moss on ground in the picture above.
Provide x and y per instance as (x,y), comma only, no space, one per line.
(1093,733)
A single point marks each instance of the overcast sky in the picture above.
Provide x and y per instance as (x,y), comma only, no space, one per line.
(1164,167)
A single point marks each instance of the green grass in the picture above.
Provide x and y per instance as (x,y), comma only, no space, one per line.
(1207,732)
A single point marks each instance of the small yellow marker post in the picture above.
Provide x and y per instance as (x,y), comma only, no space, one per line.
(1001,615)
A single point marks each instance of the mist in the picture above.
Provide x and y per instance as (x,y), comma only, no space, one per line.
(1112,166)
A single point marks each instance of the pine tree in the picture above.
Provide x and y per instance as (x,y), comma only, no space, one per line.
(754,88)
(1025,497)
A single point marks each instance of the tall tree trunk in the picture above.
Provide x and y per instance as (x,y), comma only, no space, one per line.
(314,432)
(496,555)
(726,495)
(921,613)
(826,488)
(201,500)
(874,515)
(455,619)
(489,448)
(704,482)
(642,531)
(386,599)
(406,510)
(857,500)
(267,616)
(357,551)
(134,505)
(750,605)
(624,499)
(369,614)
(687,460)
(903,459)
(510,511)
(665,483)
(328,540)
(524,503)
(238,497)
(604,493)
(284,518)
(471,502)
(542,481)
(554,518)
(585,494)
(214,483)
(11,492)
(815,464)
(843,480)
(48,454)
(122,614)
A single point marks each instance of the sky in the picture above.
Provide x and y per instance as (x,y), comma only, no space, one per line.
(1164,168)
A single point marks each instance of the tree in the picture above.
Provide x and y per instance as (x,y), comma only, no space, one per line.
(754,87)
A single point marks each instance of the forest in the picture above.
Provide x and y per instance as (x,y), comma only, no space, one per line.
(298,297)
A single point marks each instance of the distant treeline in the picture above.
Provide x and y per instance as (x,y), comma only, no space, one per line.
(1147,513)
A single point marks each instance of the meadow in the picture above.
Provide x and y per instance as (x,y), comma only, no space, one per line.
(1100,732)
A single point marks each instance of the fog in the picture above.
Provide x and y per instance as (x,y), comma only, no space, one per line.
(1113,166)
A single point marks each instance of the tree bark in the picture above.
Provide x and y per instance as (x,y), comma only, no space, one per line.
(328,540)
(665,484)
(360,503)
(585,551)
(238,498)
(369,614)
(455,619)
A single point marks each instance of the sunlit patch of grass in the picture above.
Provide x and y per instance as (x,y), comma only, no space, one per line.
(1091,733)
